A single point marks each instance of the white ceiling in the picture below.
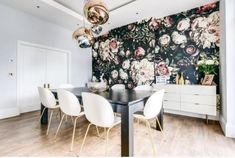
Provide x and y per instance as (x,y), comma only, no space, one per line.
(68,13)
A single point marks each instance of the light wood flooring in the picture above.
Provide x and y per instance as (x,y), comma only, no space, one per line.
(183,136)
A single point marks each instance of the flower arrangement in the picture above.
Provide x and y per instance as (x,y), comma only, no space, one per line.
(208,66)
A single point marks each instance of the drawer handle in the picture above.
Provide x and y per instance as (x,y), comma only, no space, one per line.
(196,103)
(196,94)
(165,100)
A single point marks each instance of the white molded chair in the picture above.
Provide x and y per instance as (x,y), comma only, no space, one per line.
(99,112)
(143,88)
(66,86)
(118,87)
(151,110)
(70,106)
(48,100)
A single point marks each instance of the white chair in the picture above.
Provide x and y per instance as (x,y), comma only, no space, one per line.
(66,86)
(151,110)
(143,88)
(99,112)
(118,87)
(70,106)
(48,100)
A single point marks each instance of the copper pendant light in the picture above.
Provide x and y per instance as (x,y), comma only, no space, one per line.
(96,12)
(84,37)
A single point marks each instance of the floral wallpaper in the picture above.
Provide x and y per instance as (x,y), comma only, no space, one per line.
(134,54)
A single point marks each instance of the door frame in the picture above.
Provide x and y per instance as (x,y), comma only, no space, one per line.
(19,54)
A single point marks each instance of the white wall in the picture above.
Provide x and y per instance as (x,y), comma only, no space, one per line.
(16,25)
(227,57)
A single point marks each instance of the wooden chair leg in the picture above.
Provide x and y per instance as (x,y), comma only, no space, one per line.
(59,125)
(97,130)
(42,113)
(74,129)
(107,141)
(49,124)
(83,142)
(151,138)
(158,122)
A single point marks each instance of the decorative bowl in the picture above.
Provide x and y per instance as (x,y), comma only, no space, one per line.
(97,86)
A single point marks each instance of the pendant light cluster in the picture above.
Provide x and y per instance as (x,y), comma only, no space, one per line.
(97,14)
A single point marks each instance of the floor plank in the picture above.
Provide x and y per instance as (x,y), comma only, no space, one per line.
(183,136)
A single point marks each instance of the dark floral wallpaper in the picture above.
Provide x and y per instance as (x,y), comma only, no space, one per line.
(134,54)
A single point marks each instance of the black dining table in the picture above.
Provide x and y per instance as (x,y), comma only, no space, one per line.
(126,102)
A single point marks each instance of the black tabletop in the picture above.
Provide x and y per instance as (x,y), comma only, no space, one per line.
(124,97)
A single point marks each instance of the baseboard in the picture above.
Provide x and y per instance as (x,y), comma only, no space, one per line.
(192,114)
(29,108)
(228,128)
(9,112)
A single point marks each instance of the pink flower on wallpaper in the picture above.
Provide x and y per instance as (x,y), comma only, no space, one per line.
(162,69)
(155,23)
(139,52)
(114,45)
(130,27)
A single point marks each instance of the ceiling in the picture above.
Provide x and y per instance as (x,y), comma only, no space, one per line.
(68,13)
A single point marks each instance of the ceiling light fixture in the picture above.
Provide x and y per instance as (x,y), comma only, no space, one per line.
(96,12)
(84,37)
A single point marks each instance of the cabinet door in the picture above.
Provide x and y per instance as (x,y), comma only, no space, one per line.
(31,74)
(57,68)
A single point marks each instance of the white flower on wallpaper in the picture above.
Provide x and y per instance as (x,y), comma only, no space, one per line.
(123,74)
(183,24)
(126,64)
(178,38)
(114,74)
(165,40)
(142,71)
(205,31)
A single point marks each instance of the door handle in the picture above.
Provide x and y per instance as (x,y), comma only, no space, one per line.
(48,86)
(44,85)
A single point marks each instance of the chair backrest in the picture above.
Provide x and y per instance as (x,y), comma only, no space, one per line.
(68,103)
(46,97)
(118,87)
(154,104)
(143,88)
(97,110)
(66,86)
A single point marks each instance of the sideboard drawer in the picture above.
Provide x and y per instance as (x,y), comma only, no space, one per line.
(199,99)
(172,105)
(196,90)
(198,108)
(172,97)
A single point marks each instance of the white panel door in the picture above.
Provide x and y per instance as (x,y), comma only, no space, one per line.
(32,73)
(57,68)
(38,65)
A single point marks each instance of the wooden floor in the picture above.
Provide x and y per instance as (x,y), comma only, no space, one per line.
(183,136)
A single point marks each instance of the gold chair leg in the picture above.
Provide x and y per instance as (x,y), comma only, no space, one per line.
(106,141)
(84,138)
(97,130)
(151,138)
(59,126)
(158,122)
(72,119)
(74,129)
(49,124)
(42,113)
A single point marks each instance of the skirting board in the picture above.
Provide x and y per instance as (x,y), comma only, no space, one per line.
(29,109)
(9,112)
(228,129)
(192,114)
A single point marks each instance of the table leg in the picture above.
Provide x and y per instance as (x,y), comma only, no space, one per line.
(160,118)
(44,119)
(127,134)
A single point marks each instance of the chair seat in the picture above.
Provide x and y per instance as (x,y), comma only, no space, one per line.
(139,115)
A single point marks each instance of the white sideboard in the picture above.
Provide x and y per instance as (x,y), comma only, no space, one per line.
(197,99)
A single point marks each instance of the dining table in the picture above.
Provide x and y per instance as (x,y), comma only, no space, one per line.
(126,102)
